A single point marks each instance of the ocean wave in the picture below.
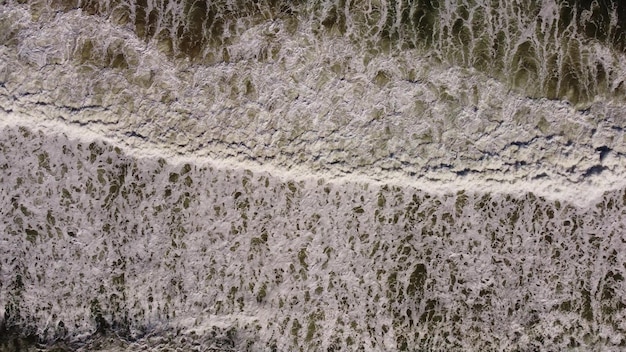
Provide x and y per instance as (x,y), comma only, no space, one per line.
(554,49)
(329,175)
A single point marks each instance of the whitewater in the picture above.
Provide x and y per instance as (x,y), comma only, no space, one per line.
(312,175)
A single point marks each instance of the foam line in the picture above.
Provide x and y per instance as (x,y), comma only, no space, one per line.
(582,194)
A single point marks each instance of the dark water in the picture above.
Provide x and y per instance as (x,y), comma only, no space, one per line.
(543,48)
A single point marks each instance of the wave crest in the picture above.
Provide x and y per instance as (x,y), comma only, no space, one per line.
(554,49)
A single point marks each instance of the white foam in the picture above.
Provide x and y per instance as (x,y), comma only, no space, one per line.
(581,194)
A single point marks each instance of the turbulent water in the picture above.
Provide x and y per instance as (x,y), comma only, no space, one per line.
(312,175)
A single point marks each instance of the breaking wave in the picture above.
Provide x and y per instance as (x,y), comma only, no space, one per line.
(572,50)
(312,175)
(104,249)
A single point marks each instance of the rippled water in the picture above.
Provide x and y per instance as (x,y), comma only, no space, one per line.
(299,175)
(555,49)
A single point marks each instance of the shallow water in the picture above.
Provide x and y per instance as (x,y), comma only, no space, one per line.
(301,175)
